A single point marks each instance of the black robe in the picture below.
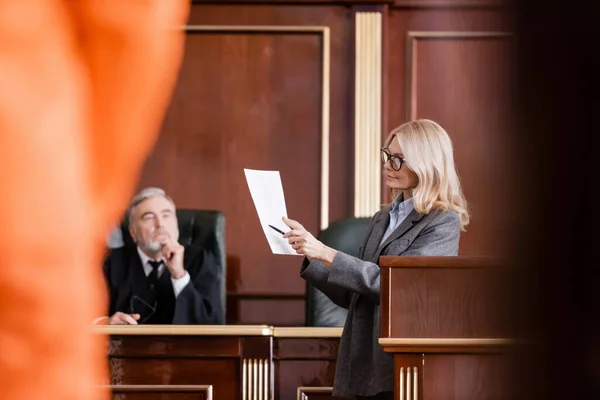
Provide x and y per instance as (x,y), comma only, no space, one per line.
(198,303)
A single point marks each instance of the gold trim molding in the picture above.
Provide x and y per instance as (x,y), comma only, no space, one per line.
(153,389)
(219,330)
(191,330)
(255,379)
(412,38)
(408,387)
(301,332)
(445,342)
(302,391)
(367,112)
(324,32)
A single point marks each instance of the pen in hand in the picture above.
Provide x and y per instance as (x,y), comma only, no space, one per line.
(277,230)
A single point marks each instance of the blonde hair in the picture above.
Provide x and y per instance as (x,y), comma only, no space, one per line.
(428,152)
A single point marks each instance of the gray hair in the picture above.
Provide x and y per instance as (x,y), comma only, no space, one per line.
(143,195)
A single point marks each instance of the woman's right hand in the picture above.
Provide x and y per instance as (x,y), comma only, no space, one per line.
(306,244)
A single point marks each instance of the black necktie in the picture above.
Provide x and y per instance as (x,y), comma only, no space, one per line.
(153,277)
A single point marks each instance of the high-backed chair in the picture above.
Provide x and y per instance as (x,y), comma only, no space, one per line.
(202,228)
(346,235)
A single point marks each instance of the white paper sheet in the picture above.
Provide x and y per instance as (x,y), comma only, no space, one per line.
(267,193)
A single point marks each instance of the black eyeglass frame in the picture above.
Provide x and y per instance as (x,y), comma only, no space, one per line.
(132,308)
(386,156)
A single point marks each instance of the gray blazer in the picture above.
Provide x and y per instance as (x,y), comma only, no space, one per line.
(363,368)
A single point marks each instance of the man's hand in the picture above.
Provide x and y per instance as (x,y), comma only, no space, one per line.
(172,251)
(120,318)
(306,244)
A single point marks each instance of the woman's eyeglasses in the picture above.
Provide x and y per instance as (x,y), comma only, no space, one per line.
(137,305)
(395,161)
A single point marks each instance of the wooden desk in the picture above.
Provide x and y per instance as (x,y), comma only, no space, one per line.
(442,318)
(221,362)
(304,360)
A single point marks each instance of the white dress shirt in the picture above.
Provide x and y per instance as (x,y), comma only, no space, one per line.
(178,284)
(398,213)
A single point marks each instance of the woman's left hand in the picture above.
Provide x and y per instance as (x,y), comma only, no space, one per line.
(306,244)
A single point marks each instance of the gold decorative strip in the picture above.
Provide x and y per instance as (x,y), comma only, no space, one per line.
(255,379)
(415,384)
(194,330)
(325,130)
(255,386)
(308,332)
(324,31)
(408,387)
(266,379)
(304,392)
(260,379)
(163,390)
(408,383)
(218,330)
(244,379)
(401,386)
(446,342)
(367,112)
(250,388)
(254,28)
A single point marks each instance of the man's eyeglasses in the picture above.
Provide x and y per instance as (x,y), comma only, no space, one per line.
(395,161)
(137,305)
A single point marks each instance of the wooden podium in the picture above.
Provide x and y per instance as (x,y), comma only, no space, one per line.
(445,321)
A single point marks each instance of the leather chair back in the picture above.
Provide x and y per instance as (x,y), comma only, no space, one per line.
(201,228)
(346,235)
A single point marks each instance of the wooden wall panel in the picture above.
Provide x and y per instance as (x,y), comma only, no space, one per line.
(458,302)
(253,99)
(453,67)
(304,367)
(243,104)
(162,392)
(466,377)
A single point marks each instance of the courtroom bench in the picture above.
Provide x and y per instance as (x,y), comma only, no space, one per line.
(245,362)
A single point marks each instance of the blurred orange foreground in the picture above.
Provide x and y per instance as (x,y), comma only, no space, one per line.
(84,86)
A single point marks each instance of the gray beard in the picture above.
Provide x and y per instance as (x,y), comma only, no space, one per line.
(151,247)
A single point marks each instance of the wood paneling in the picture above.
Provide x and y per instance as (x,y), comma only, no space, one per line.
(283,312)
(420,4)
(461,79)
(186,346)
(162,392)
(444,301)
(223,374)
(441,321)
(253,99)
(453,376)
(449,3)
(303,349)
(151,363)
(242,104)
(439,67)
(182,360)
(466,377)
(304,362)
(317,393)
(408,375)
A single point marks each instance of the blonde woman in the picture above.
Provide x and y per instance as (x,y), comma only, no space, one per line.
(425,219)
